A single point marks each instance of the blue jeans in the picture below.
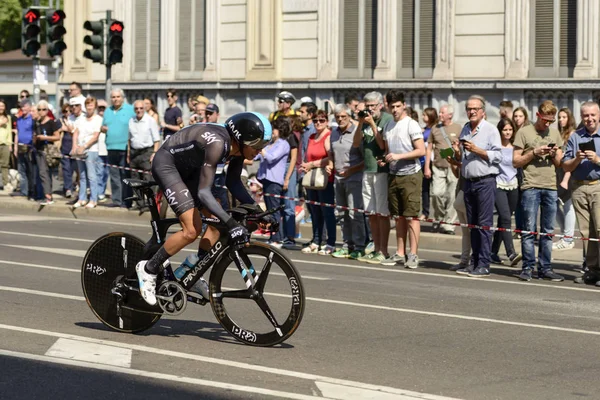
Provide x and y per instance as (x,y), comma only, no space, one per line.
(289,212)
(69,166)
(322,216)
(104,176)
(89,170)
(273,202)
(26,172)
(480,197)
(533,199)
(118,188)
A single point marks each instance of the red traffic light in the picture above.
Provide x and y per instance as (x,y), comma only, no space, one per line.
(31,16)
(57,17)
(116,26)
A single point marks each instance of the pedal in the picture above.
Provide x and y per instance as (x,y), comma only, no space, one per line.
(172,297)
(132,198)
(196,298)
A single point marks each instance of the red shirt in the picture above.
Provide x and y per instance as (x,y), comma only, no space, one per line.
(316,149)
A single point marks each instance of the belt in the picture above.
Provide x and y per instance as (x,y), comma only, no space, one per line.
(480,178)
(580,183)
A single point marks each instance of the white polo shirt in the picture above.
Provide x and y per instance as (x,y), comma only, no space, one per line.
(143,133)
(399,137)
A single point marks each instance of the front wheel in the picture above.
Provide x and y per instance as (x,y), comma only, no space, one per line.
(258,307)
(110,263)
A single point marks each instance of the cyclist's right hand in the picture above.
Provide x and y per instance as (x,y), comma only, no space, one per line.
(239,235)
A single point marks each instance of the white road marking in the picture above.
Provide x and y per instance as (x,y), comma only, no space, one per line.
(39,266)
(211,360)
(361,305)
(21,218)
(55,250)
(90,352)
(158,375)
(343,392)
(71,239)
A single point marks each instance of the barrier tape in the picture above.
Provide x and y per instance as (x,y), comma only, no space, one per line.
(344,208)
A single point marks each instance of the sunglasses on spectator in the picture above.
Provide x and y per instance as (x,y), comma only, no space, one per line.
(208,113)
(101,108)
(170,95)
(281,101)
(42,109)
(549,120)
(138,108)
(321,120)
(24,97)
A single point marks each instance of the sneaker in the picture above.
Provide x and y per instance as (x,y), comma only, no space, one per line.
(326,250)
(68,194)
(370,248)
(394,260)
(277,245)
(201,288)
(378,258)
(550,276)
(102,198)
(562,245)
(356,254)
(515,259)
(412,261)
(458,266)
(288,243)
(341,253)
(479,272)
(46,202)
(367,257)
(312,248)
(147,283)
(588,279)
(525,275)
(465,271)
(495,259)
(79,204)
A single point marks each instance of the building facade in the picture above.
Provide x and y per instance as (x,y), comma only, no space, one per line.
(241,53)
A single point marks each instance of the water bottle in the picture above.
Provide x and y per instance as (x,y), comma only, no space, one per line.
(186,265)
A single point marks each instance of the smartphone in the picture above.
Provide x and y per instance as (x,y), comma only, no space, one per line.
(449,152)
(551,145)
(587,146)
(326,107)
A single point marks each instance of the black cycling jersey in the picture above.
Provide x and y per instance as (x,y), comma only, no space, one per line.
(186,164)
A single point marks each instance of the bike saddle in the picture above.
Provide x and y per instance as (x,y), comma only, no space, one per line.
(138,183)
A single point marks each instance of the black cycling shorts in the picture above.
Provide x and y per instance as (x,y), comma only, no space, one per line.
(181,192)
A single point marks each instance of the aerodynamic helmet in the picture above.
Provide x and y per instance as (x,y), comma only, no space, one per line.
(249,129)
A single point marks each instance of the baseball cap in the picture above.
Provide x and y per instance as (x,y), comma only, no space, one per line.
(102,103)
(75,101)
(202,99)
(213,108)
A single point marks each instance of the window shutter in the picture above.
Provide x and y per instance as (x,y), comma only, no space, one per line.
(350,39)
(185,30)
(370,35)
(141,23)
(568,33)
(407,33)
(154,35)
(199,38)
(544,33)
(427,34)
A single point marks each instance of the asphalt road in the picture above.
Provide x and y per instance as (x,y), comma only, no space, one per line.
(368,332)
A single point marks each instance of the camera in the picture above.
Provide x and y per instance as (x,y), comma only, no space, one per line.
(363,113)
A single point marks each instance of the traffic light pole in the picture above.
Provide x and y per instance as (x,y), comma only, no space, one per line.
(36,65)
(108,87)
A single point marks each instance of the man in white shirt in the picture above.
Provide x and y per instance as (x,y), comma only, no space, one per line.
(144,141)
(404,145)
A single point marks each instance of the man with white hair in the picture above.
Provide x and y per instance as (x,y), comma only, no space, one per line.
(443,186)
(116,126)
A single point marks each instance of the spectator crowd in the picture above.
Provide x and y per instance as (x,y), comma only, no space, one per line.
(375,154)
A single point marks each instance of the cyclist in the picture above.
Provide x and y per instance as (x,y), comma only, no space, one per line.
(184,167)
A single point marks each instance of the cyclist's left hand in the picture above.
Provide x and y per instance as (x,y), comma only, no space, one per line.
(270,223)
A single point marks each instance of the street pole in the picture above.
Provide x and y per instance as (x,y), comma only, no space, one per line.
(36,64)
(108,87)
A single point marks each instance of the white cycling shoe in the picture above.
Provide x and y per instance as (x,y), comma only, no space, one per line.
(147,283)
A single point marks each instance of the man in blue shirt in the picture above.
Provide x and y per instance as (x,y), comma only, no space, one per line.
(481,151)
(582,160)
(116,126)
(25,127)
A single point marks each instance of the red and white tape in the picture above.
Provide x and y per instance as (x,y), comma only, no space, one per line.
(344,208)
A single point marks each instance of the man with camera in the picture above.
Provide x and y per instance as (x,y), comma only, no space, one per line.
(582,159)
(369,132)
(444,181)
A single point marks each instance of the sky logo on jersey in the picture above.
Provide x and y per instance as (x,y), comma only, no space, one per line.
(210,137)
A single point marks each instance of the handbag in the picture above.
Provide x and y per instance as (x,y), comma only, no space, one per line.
(53,156)
(315,179)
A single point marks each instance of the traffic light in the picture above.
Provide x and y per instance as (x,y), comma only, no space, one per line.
(115,42)
(96,40)
(55,31)
(30,32)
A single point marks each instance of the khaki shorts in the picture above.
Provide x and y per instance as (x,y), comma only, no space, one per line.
(404,194)
(375,192)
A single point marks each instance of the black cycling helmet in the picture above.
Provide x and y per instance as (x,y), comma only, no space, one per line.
(250,129)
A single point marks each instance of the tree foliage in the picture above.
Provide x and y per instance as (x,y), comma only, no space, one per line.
(10,22)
